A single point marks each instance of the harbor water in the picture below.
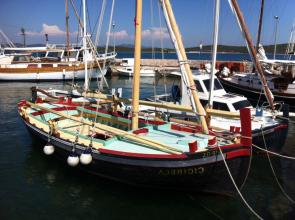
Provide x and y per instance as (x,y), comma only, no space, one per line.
(205,56)
(36,186)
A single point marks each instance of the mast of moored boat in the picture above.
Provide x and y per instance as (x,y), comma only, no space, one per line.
(183,62)
(214,51)
(86,83)
(137,57)
(259,25)
(67,29)
(237,11)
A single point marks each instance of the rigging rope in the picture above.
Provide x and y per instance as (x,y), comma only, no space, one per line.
(235,185)
(107,42)
(274,153)
(273,171)
(161,30)
(152,26)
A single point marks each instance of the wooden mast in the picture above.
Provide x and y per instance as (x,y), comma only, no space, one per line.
(67,28)
(260,25)
(252,51)
(191,83)
(137,57)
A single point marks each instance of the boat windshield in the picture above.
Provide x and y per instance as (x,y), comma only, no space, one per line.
(217,85)
(220,106)
(241,104)
(199,87)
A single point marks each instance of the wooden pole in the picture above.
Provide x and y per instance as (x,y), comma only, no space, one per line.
(252,51)
(67,28)
(146,142)
(163,105)
(137,57)
(191,82)
(259,25)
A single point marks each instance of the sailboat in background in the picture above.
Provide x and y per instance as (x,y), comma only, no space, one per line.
(126,68)
(58,62)
(143,152)
(274,77)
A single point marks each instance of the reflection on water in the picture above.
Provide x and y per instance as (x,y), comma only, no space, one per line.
(35,186)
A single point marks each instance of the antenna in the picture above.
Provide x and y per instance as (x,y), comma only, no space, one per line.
(23,33)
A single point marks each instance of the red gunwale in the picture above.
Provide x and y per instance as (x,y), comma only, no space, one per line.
(238,153)
(279,127)
(41,112)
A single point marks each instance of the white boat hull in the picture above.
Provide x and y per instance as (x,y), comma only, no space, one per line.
(49,76)
(143,72)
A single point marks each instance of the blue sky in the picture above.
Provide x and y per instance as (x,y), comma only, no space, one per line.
(194,18)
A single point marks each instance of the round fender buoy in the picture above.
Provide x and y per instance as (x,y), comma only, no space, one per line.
(86,157)
(48,149)
(73,159)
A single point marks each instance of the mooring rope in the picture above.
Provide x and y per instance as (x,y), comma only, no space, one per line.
(285,118)
(237,188)
(274,173)
(274,153)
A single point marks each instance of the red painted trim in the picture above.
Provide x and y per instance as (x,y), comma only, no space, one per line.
(238,153)
(212,141)
(55,109)
(230,146)
(185,128)
(116,114)
(279,127)
(21,103)
(245,116)
(193,146)
(141,131)
(127,154)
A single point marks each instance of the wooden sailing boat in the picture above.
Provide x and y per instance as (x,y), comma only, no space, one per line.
(152,153)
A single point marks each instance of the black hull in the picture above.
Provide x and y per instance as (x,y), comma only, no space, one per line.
(194,173)
(253,95)
(272,138)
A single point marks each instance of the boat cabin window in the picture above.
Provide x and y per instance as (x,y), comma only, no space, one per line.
(217,84)
(220,106)
(21,59)
(124,61)
(241,104)
(129,69)
(39,54)
(72,54)
(199,87)
(54,54)
(80,56)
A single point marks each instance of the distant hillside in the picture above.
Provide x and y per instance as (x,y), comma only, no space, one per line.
(281,48)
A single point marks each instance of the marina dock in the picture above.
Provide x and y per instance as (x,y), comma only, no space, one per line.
(165,66)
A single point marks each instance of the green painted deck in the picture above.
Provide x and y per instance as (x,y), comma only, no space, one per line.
(160,133)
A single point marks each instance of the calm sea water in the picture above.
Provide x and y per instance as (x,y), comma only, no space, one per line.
(35,186)
(204,56)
